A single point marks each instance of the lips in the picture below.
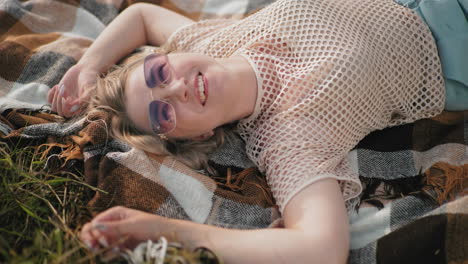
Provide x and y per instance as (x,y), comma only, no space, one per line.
(205,82)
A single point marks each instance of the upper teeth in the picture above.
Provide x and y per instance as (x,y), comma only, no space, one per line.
(201,88)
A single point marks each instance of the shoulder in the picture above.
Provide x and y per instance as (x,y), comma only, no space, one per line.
(194,37)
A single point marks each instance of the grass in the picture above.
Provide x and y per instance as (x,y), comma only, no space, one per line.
(41,209)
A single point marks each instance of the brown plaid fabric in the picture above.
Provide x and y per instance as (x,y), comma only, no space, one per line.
(130,177)
(40,40)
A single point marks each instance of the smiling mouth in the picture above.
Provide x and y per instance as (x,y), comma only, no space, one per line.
(201,89)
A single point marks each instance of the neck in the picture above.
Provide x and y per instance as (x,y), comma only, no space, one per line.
(243,84)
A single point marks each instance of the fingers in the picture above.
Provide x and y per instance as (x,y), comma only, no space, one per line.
(73,92)
(74,106)
(96,236)
(60,103)
(55,100)
(51,94)
(116,227)
(100,235)
(88,237)
(70,106)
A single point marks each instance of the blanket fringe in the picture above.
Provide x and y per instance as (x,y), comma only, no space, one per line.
(447,181)
(19,118)
(441,183)
(237,182)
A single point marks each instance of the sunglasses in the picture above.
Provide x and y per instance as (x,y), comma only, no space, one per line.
(161,115)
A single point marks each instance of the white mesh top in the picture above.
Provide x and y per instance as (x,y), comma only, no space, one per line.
(329,72)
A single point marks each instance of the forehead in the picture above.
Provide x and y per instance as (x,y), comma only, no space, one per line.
(135,83)
(135,75)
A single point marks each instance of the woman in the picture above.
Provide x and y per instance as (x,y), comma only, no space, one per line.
(306,80)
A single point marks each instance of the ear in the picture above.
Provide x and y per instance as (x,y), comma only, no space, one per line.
(203,136)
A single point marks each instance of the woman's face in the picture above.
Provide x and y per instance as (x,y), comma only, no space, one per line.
(194,84)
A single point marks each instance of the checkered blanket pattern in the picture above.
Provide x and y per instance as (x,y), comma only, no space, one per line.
(40,40)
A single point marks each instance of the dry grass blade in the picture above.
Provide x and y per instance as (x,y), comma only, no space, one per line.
(40,210)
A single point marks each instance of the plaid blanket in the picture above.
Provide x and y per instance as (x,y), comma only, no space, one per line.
(413,210)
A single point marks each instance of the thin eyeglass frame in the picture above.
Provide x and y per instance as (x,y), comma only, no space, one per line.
(153,120)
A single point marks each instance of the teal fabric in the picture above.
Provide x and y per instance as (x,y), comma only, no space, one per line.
(448,21)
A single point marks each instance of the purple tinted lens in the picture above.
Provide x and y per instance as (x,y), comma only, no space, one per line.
(162,117)
(155,70)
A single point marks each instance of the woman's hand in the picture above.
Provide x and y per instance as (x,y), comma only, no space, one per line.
(121,227)
(72,94)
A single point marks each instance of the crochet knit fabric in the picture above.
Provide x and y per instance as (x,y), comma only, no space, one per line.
(329,72)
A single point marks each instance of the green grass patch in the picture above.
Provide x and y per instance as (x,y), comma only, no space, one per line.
(41,209)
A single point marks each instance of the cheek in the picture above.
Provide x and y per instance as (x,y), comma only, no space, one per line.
(185,63)
(186,121)
(139,116)
(194,123)
(199,61)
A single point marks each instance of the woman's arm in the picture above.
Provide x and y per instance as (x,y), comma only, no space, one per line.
(138,25)
(316,231)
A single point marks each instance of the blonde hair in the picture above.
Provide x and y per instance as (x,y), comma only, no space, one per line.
(110,97)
